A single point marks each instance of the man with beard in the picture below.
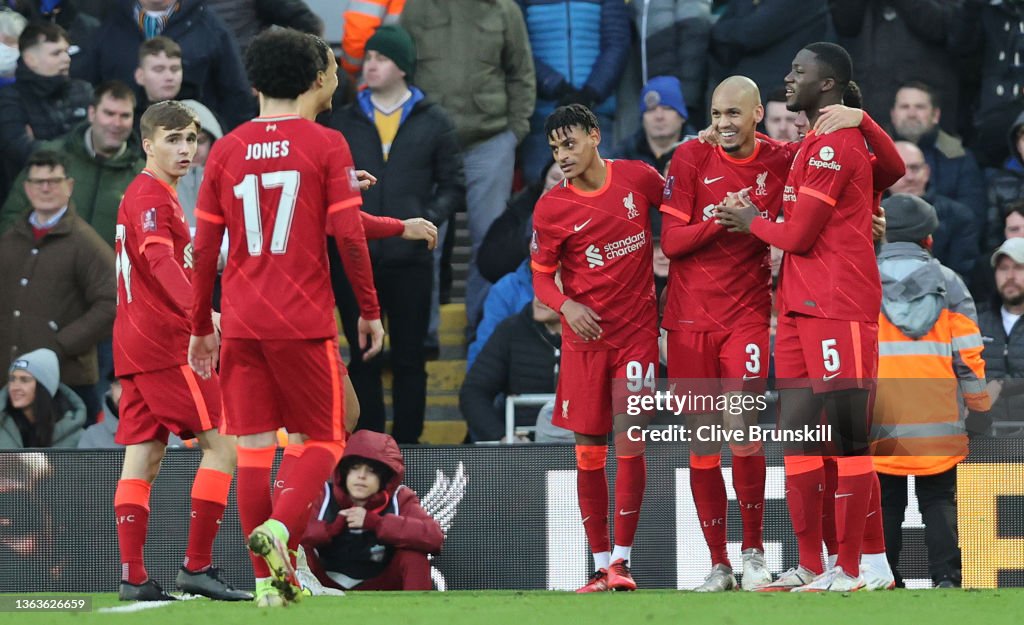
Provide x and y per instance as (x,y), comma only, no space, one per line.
(1004,334)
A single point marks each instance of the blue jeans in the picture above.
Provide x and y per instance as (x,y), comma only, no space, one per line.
(489,167)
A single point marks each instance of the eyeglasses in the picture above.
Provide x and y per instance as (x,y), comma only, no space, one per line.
(45,182)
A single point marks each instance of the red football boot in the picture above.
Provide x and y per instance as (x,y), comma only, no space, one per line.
(598,582)
(619,577)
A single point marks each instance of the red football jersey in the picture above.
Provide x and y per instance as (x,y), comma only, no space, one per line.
(602,240)
(271,183)
(721,278)
(837,276)
(150,330)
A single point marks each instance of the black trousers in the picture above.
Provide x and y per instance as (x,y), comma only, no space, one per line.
(404,294)
(936,498)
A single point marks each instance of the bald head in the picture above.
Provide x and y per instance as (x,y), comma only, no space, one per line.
(738,89)
(915,180)
(735,112)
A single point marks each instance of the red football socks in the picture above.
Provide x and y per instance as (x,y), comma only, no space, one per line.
(853,497)
(209,498)
(828,506)
(630,482)
(284,471)
(748,477)
(709,497)
(289,461)
(874,530)
(302,484)
(592,491)
(805,481)
(254,506)
(131,512)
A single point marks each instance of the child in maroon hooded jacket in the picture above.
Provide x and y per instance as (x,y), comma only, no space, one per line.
(368,531)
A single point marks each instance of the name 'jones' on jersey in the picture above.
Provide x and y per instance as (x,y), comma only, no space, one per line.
(602,241)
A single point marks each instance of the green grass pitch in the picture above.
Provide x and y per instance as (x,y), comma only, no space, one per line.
(901,607)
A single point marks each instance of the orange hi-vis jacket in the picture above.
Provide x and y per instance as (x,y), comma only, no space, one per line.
(929,364)
(360,19)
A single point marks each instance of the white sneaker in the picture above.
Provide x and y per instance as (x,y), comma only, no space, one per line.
(720,579)
(755,573)
(833,580)
(793,578)
(309,581)
(876,577)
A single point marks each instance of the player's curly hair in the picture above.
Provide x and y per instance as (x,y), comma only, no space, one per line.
(565,117)
(283,63)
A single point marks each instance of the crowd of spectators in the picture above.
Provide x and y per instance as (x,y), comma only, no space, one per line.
(444,101)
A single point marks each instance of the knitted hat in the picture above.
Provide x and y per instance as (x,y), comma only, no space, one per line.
(908,218)
(42,365)
(663,91)
(395,43)
(1014,248)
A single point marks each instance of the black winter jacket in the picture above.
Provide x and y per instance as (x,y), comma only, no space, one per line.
(49,105)
(896,41)
(211,59)
(422,177)
(520,357)
(1004,360)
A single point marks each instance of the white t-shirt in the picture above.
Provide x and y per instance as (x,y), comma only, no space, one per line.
(1009,319)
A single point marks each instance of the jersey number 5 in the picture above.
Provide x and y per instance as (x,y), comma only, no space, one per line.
(249,192)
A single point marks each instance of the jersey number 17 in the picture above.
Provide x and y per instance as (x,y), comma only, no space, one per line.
(249,192)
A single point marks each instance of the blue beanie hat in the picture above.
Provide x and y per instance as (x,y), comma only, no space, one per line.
(663,91)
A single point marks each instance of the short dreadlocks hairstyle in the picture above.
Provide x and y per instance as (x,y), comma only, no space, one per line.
(565,117)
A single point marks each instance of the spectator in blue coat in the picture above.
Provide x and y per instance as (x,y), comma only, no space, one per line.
(506,298)
(580,48)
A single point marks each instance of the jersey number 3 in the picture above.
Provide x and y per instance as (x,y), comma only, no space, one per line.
(249,192)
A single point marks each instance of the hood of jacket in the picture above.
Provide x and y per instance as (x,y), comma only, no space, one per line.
(371,446)
(913,288)
(366,105)
(42,87)
(67,424)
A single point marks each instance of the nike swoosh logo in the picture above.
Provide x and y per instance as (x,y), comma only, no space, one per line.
(624,513)
(586,518)
(581,226)
(750,377)
(841,495)
(826,378)
(870,513)
(710,180)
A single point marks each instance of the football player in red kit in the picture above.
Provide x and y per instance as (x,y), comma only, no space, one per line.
(718,308)
(718,324)
(275,183)
(595,226)
(829,297)
(161,394)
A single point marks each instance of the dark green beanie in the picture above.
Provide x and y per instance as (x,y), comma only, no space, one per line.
(395,43)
